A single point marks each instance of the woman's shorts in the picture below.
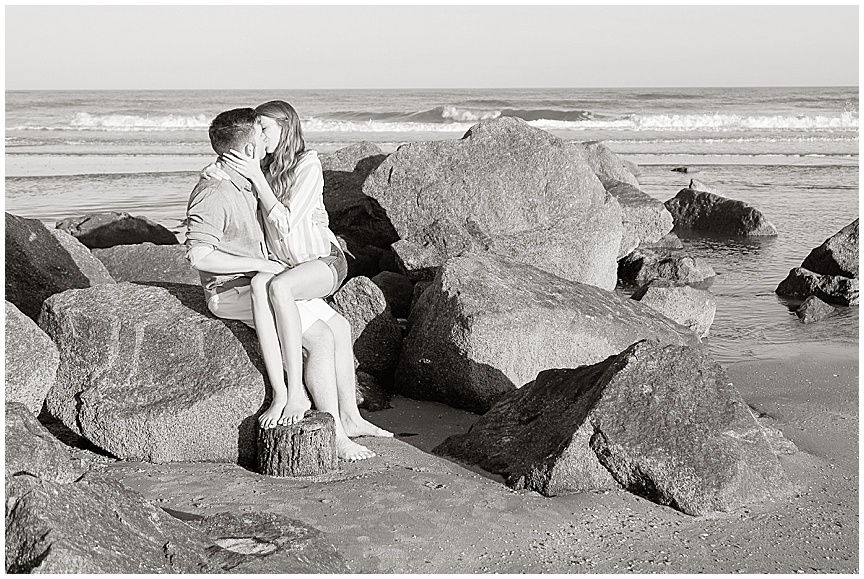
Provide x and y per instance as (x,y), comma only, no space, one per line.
(338,264)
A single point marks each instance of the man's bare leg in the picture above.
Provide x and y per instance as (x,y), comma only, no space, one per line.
(346,382)
(321,382)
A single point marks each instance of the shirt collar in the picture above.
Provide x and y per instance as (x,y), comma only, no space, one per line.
(239,181)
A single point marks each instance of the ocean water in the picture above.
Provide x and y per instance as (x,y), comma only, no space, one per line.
(791,152)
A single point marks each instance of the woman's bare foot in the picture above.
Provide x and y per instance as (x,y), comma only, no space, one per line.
(347,449)
(359,426)
(294,410)
(270,417)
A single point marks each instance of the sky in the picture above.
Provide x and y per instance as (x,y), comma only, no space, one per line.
(437,46)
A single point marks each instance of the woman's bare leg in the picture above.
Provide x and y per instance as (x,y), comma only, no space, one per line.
(305,281)
(265,327)
(321,381)
(346,382)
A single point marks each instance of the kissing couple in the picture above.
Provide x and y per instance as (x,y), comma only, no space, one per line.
(258,235)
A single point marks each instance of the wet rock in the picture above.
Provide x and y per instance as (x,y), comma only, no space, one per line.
(353,214)
(505,188)
(94,525)
(645,219)
(398,291)
(834,289)
(31,361)
(370,394)
(38,265)
(813,310)
(838,255)
(268,543)
(608,166)
(681,170)
(32,450)
(690,307)
(377,337)
(488,325)
(686,439)
(111,228)
(146,262)
(668,241)
(696,185)
(141,366)
(645,265)
(703,211)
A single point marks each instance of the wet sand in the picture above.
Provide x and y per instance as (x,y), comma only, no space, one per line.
(407,511)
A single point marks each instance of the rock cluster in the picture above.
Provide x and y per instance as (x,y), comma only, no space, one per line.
(829,272)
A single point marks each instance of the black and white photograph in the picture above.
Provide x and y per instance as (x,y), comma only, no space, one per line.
(431,289)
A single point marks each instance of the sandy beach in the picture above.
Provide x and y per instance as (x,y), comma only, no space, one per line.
(407,511)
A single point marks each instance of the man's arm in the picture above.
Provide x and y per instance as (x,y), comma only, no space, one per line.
(211,260)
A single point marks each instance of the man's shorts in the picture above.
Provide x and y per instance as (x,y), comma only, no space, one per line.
(236,304)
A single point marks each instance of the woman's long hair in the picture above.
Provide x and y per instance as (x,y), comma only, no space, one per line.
(279,165)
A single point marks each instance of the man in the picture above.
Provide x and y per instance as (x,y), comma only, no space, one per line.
(225,243)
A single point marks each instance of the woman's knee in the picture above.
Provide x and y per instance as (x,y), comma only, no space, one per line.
(281,289)
(318,336)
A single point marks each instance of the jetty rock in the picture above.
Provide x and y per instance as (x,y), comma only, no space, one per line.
(146,262)
(487,325)
(644,219)
(833,289)
(709,212)
(355,216)
(140,365)
(685,305)
(376,336)
(32,450)
(92,268)
(813,310)
(668,241)
(398,291)
(608,166)
(838,255)
(110,228)
(31,361)
(504,188)
(38,265)
(661,421)
(642,266)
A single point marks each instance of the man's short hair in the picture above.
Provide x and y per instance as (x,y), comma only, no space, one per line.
(233,129)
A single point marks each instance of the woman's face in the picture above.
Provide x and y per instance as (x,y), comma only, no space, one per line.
(272,133)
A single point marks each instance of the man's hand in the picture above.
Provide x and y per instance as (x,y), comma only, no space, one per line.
(273,267)
(214,171)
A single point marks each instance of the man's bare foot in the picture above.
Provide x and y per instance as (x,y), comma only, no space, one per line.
(294,410)
(269,417)
(347,449)
(359,426)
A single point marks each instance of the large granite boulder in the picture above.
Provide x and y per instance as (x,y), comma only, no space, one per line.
(353,215)
(32,450)
(608,166)
(376,335)
(645,219)
(146,373)
(488,325)
(838,255)
(834,289)
(398,291)
(111,228)
(505,188)
(91,267)
(708,212)
(685,305)
(38,265)
(146,262)
(663,422)
(31,361)
(644,265)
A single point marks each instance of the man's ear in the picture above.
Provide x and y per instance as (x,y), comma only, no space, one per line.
(249,150)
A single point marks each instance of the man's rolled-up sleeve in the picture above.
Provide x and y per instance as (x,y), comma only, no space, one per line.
(206,219)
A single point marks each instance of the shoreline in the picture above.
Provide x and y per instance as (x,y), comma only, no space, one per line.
(411,512)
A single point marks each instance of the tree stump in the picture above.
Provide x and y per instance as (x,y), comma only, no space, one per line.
(303,449)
